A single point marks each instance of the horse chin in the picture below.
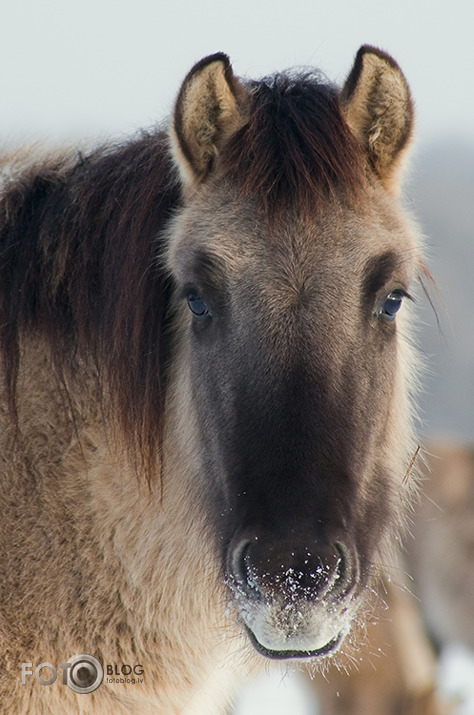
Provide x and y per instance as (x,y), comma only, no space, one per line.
(294,633)
(291,651)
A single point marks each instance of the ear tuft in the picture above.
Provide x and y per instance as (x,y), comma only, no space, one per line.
(211,106)
(379,109)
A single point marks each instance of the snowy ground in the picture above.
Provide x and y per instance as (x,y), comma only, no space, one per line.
(281,693)
(278,693)
(456,678)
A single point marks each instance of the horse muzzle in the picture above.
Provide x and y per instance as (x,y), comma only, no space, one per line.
(295,597)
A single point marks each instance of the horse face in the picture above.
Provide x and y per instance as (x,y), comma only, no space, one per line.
(295,373)
(294,363)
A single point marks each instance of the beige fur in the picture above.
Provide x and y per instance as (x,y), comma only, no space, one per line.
(96,561)
(106,536)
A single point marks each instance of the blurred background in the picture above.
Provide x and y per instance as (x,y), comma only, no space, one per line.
(89,70)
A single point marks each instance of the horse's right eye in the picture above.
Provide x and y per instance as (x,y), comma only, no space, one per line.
(197,305)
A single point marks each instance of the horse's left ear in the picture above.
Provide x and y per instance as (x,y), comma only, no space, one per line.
(211,106)
(379,109)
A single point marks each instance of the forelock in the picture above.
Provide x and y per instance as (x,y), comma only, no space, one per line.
(296,151)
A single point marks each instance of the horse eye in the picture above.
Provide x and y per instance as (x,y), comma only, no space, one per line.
(391,305)
(197,305)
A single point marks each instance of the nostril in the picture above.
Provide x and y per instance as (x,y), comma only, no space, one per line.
(243,571)
(346,569)
(267,569)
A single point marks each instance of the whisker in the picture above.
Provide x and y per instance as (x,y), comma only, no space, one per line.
(412,464)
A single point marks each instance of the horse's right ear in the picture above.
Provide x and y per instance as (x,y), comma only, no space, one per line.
(211,106)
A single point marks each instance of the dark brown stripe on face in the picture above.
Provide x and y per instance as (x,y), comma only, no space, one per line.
(208,271)
(378,272)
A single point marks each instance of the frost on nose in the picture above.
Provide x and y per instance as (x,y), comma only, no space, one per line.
(293,602)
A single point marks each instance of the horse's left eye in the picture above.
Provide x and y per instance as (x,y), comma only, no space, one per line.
(197,305)
(390,305)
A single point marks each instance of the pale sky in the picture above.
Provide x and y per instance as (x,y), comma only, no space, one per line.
(96,68)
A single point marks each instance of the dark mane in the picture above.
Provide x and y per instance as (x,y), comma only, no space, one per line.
(79,247)
(297,149)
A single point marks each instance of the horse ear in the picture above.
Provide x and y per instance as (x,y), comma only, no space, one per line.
(379,109)
(211,106)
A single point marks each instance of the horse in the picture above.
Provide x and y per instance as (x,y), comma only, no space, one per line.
(207,422)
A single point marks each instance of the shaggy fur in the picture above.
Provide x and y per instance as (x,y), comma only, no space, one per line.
(145,451)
